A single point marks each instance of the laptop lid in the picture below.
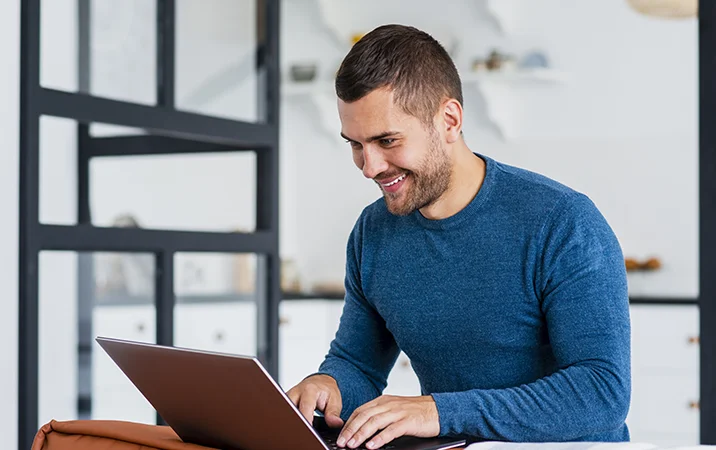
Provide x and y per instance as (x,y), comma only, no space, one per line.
(216,400)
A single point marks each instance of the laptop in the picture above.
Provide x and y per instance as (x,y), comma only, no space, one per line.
(228,402)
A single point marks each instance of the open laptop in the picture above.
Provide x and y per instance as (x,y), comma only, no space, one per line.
(228,402)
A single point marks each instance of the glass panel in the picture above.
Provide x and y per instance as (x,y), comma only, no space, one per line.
(216,58)
(123,51)
(58,171)
(122,48)
(58,44)
(211,192)
(216,302)
(82,296)
(58,336)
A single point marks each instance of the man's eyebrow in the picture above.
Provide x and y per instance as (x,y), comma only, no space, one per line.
(383,135)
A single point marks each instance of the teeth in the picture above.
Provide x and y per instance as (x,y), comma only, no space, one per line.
(397,180)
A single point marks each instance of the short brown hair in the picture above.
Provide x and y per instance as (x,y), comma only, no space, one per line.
(409,61)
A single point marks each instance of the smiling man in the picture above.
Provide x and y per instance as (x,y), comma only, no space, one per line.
(506,289)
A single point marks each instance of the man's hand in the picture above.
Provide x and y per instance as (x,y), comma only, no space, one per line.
(318,392)
(396,416)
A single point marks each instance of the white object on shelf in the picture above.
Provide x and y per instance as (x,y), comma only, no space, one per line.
(668,9)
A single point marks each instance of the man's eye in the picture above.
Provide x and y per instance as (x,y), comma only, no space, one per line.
(353,144)
(387,142)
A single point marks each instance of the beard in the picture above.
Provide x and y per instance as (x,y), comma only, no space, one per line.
(426,184)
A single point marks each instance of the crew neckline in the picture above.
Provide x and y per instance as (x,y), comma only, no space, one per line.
(471,208)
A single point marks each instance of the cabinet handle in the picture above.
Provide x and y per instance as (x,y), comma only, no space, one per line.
(694,340)
(140,327)
(694,405)
(283,321)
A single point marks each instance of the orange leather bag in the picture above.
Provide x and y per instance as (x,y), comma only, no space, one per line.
(108,435)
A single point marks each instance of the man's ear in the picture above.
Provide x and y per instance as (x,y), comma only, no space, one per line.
(452,119)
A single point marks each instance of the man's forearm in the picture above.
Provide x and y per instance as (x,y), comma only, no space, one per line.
(575,402)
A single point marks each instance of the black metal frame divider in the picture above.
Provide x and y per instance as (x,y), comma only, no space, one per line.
(170,131)
(707,218)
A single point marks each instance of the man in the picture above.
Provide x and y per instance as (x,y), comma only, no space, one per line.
(506,290)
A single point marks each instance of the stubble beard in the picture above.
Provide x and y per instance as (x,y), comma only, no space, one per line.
(427,183)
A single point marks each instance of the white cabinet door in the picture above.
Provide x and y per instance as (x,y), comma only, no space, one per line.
(665,338)
(664,404)
(665,374)
(114,397)
(219,327)
(306,330)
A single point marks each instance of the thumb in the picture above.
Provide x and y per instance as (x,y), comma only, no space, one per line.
(333,412)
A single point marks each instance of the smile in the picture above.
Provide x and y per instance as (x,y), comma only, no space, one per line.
(395,185)
(394,182)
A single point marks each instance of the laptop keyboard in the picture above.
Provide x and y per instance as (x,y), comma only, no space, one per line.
(331,443)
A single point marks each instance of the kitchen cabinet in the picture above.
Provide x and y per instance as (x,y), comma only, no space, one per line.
(665,374)
(665,357)
(114,397)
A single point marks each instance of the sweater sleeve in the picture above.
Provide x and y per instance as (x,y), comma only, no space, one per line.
(363,351)
(580,279)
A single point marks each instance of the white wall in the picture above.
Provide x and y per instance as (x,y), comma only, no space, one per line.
(623,129)
(9,141)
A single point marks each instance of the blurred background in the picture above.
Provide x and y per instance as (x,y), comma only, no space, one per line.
(596,94)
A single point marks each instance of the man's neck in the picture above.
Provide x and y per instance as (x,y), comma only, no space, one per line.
(467,176)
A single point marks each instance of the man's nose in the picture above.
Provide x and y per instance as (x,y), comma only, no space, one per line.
(373,162)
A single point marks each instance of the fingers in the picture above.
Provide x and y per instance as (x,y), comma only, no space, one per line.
(322,400)
(366,424)
(293,395)
(333,410)
(386,436)
(318,392)
(307,402)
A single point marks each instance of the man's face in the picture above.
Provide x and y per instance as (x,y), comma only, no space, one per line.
(407,161)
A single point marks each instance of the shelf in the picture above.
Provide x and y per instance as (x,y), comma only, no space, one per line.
(502,101)
(126,300)
(494,86)
(672,301)
(321,95)
(290,88)
(129,299)
(516,76)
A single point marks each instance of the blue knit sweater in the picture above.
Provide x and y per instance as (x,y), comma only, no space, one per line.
(514,313)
